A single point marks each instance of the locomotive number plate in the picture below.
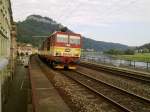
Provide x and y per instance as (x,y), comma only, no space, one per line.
(66,54)
(67,50)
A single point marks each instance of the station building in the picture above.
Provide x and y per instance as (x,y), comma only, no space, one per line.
(26,49)
(7,48)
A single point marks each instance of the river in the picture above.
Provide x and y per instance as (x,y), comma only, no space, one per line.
(114,61)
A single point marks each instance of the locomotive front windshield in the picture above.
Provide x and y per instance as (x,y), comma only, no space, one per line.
(62,38)
(75,40)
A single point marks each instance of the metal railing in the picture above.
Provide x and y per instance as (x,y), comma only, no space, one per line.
(144,66)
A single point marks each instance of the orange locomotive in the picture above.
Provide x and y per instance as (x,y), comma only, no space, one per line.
(62,50)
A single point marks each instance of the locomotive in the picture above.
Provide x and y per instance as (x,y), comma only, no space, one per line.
(62,50)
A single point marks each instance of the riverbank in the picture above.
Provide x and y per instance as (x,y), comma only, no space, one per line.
(141,57)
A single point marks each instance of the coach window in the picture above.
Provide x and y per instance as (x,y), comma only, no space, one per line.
(62,38)
(74,40)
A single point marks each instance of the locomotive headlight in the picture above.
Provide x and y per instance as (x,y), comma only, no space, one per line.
(76,54)
(58,53)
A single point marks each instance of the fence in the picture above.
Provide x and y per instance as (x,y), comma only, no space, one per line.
(117,62)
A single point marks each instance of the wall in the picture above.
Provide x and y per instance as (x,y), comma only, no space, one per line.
(5,45)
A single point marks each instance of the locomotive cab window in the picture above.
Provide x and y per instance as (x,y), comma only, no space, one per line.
(75,40)
(62,38)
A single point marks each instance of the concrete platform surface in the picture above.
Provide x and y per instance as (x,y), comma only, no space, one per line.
(18,91)
(45,97)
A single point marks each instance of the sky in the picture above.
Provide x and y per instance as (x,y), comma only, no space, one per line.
(119,21)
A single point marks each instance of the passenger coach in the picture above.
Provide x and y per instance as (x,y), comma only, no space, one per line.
(62,50)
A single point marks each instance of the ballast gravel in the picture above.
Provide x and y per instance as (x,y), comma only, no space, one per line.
(75,99)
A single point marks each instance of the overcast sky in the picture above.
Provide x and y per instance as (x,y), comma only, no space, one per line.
(119,21)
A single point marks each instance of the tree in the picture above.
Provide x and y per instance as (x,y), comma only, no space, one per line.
(145,50)
(129,52)
(114,52)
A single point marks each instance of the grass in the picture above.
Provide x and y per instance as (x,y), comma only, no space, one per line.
(91,53)
(144,57)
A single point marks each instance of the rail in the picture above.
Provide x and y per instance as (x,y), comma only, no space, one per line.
(141,76)
(135,99)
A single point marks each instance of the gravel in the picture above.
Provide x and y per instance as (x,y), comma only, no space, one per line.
(70,92)
(130,85)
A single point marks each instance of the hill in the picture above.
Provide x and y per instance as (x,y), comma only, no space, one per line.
(145,46)
(43,26)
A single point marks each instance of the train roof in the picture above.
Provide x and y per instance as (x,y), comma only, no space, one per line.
(60,32)
(69,33)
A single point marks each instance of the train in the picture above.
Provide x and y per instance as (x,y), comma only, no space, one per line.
(62,50)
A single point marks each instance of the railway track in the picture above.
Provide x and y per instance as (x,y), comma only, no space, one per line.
(87,99)
(115,98)
(123,99)
(133,75)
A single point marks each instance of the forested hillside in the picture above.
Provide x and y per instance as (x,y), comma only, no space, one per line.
(36,25)
(31,27)
(145,46)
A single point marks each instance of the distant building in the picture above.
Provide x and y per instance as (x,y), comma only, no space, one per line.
(90,50)
(35,50)
(26,49)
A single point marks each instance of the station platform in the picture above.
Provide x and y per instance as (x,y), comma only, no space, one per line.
(44,96)
(17,100)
